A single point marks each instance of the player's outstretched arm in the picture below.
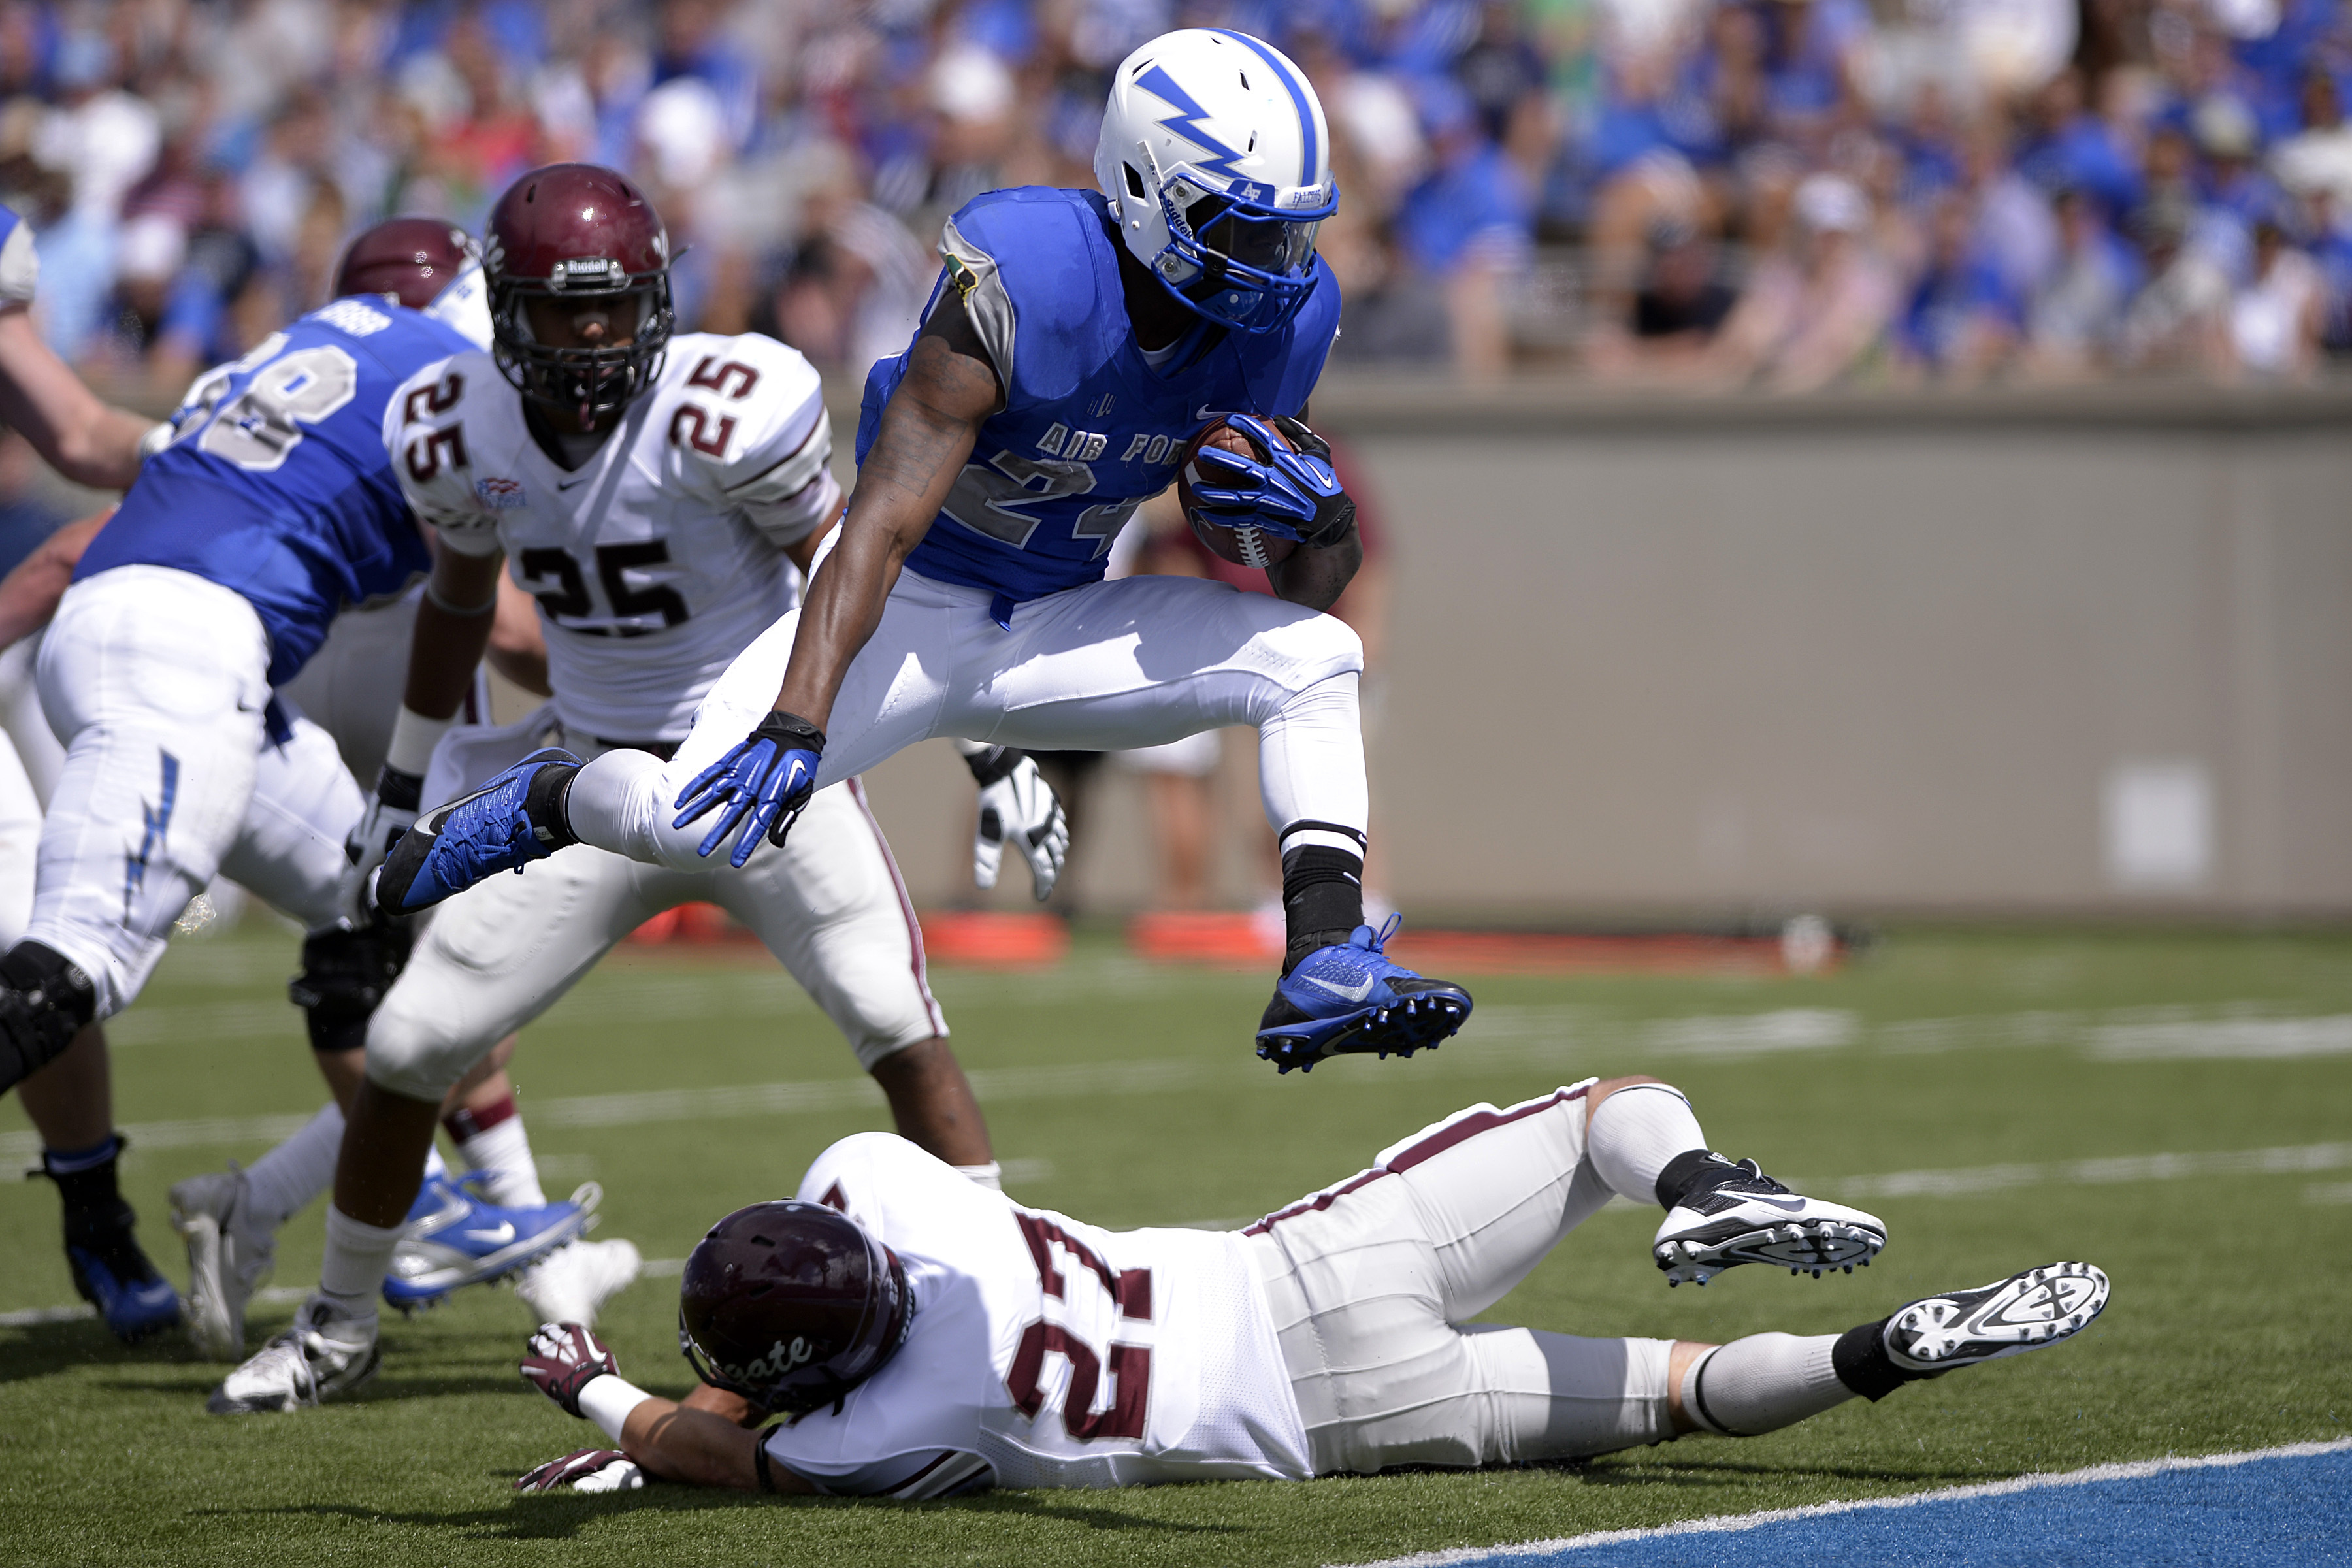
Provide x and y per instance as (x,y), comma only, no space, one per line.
(925,438)
(704,1442)
(30,594)
(759,787)
(89,441)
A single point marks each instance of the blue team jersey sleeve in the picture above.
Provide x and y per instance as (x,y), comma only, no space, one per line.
(276,484)
(1024,262)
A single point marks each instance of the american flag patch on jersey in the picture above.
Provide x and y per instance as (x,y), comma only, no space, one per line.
(502,494)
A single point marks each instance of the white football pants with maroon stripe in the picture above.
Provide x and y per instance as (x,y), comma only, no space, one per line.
(829,904)
(1370,1282)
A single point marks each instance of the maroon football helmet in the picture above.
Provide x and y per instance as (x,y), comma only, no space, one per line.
(790,1305)
(408,260)
(566,231)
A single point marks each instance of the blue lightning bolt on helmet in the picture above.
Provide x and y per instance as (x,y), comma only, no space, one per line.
(1217,165)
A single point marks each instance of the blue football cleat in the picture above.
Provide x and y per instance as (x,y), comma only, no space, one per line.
(455,1238)
(451,847)
(1348,997)
(133,1299)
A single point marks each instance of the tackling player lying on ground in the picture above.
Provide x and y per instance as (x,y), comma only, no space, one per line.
(229,1219)
(1075,342)
(660,497)
(927,1337)
(217,578)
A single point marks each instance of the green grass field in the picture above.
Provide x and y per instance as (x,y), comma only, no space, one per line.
(2014,1085)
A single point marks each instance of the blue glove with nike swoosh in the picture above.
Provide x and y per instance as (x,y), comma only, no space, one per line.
(1288,490)
(762,785)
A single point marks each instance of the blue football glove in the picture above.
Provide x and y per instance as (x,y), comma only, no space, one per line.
(1290,494)
(761,786)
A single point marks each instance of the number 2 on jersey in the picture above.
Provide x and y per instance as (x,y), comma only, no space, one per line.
(1129,1365)
(568,601)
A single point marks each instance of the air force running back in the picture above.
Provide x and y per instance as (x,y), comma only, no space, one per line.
(1092,426)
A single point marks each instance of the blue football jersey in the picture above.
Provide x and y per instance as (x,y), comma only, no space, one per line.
(1091,429)
(277,483)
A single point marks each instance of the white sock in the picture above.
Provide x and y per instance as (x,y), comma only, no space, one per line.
(358,1258)
(1636,1130)
(1762,1383)
(990,1175)
(286,1179)
(492,1140)
(435,1165)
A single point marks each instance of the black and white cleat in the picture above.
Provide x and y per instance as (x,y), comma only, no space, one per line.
(2008,1317)
(1748,1217)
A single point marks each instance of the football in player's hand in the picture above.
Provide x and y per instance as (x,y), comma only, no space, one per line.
(1243,546)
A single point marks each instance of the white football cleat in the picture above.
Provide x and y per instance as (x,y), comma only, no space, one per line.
(325,1354)
(2008,1317)
(229,1255)
(1749,1218)
(571,1284)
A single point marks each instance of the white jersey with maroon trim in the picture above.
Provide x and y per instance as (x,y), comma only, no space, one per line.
(660,559)
(1044,1352)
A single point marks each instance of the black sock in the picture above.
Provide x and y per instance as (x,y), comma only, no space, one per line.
(1322,900)
(1692,1172)
(1860,1360)
(546,802)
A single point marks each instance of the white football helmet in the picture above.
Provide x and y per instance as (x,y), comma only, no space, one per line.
(1216,161)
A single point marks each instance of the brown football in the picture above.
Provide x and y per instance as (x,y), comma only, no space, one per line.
(1241,546)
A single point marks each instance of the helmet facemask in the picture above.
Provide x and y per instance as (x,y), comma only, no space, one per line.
(590,383)
(1231,256)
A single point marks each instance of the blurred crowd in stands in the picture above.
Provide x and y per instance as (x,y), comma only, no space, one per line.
(1781,193)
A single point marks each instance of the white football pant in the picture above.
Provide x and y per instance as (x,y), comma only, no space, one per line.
(829,904)
(156,680)
(1111,666)
(1370,1282)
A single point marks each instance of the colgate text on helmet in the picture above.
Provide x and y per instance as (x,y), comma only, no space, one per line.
(790,1305)
(574,231)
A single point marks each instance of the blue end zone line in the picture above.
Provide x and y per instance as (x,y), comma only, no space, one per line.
(1725,1524)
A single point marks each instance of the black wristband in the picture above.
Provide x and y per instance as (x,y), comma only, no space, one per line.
(1333,523)
(759,1462)
(790,731)
(401,791)
(996,763)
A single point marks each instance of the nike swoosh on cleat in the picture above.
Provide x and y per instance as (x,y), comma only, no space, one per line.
(1352,992)
(504,1233)
(1789,1206)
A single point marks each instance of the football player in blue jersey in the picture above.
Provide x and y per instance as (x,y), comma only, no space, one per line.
(270,511)
(1075,344)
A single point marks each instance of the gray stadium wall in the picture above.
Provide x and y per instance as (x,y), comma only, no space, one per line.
(2048,652)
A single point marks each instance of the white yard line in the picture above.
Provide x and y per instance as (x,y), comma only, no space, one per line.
(1728,1523)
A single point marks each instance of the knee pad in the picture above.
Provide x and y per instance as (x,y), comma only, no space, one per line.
(345,976)
(411,1052)
(44,1000)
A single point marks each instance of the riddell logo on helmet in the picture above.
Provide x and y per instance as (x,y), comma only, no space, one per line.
(781,1359)
(596,270)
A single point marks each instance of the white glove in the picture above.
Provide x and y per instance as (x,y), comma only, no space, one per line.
(392,811)
(1016,801)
